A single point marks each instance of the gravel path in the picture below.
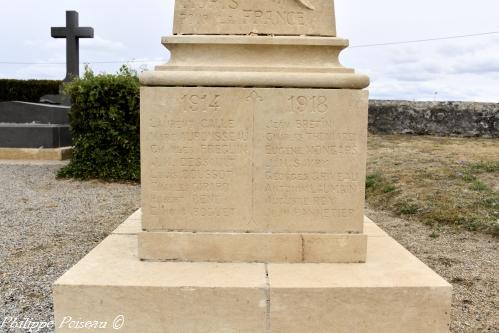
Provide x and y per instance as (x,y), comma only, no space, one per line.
(46,226)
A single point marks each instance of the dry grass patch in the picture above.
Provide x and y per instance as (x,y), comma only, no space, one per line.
(451,181)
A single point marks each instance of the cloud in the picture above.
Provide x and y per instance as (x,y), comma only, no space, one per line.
(95,46)
(44,44)
(101,45)
(464,69)
(461,69)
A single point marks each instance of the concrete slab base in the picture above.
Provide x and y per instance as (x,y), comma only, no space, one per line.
(111,288)
(36,154)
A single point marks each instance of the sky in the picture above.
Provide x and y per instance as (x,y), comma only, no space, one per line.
(129,31)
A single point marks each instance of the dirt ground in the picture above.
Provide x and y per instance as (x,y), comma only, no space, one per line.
(437,181)
(468,260)
(439,197)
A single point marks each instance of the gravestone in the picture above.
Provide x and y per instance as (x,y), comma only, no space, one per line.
(253,143)
(28,128)
(33,125)
(34,131)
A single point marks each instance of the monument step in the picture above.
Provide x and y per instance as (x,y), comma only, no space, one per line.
(393,292)
(34,135)
(253,247)
(23,112)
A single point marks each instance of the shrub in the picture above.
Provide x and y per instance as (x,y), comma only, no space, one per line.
(105,126)
(27,90)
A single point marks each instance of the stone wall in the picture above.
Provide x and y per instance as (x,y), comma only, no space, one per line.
(466,119)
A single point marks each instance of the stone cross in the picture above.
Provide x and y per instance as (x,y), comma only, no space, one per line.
(72,33)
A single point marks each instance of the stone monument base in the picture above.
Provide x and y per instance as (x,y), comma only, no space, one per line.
(392,292)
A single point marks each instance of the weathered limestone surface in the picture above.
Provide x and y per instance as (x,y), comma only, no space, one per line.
(259,160)
(255,61)
(393,292)
(289,163)
(243,17)
(252,247)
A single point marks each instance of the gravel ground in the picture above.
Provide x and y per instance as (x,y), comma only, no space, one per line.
(47,225)
(468,260)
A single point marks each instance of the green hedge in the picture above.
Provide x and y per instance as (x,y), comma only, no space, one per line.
(105,126)
(27,90)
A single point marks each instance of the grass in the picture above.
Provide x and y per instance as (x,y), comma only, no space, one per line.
(438,181)
(477,185)
(376,182)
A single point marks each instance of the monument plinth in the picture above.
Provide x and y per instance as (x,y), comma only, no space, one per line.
(253,143)
(252,174)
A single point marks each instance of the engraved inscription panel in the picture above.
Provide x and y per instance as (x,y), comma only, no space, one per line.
(196,167)
(310,157)
(279,17)
(262,160)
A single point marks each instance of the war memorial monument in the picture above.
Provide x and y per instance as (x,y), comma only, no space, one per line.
(253,143)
